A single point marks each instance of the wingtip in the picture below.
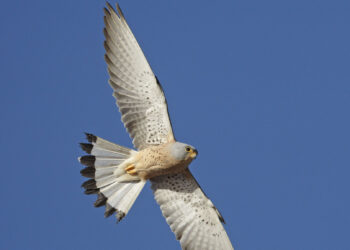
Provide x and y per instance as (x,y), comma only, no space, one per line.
(109,6)
(120,12)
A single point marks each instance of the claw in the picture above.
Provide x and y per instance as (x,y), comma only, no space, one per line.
(131,169)
(132,172)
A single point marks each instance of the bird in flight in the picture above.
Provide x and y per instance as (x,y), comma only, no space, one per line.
(118,174)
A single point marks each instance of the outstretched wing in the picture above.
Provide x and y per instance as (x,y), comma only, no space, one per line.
(190,214)
(139,95)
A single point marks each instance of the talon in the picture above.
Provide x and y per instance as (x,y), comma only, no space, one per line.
(130,169)
(132,172)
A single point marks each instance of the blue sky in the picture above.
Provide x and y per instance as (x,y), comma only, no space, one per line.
(261,88)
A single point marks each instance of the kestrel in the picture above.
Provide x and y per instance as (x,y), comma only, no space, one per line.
(118,174)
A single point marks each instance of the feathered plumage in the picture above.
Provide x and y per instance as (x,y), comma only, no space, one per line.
(118,174)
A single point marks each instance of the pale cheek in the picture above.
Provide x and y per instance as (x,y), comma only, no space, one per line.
(179,155)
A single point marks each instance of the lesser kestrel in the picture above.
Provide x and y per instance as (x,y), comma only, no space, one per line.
(118,174)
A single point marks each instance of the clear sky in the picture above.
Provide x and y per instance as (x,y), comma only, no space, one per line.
(261,88)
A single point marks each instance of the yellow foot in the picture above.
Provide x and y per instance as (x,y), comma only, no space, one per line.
(131,169)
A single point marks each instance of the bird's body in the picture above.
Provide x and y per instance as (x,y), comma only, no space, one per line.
(118,174)
(168,158)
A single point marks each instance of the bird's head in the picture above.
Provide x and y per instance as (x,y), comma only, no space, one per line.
(183,152)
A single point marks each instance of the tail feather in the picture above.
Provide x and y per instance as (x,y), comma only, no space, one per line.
(101,200)
(105,181)
(88,172)
(106,144)
(111,189)
(128,200)
(115,189)
(117,196)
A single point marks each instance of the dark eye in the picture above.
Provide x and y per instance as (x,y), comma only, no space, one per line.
(188,149)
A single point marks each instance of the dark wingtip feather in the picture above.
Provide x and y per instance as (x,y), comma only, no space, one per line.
(101,200)
(88,160)
(105,20)
(109,6)
(88,172)
(106,12)
(121,14)
(109,210)
(105,45)
(91,137)
(87,147)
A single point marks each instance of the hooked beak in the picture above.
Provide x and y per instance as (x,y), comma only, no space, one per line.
(194,154)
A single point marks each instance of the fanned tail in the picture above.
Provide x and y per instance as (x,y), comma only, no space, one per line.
(105,169)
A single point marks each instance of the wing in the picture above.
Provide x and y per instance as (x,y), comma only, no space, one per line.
(139,96)
(190,214)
